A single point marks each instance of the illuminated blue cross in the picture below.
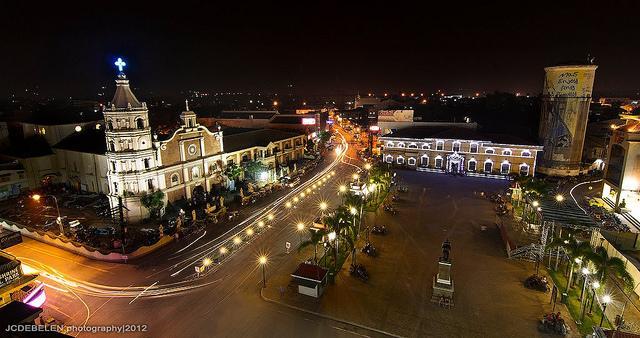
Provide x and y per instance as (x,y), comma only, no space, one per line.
(120,64)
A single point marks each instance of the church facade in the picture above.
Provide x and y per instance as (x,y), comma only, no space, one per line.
(192,157)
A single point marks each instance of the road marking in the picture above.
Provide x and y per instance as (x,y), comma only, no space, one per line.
(141,292)
(55,288)
(345,330)
(58,309)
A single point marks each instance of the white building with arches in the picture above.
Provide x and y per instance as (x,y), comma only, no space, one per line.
(459,150)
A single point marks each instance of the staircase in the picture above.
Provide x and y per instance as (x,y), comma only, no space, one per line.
(633,222)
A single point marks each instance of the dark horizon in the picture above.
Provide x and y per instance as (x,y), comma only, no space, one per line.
(321,50)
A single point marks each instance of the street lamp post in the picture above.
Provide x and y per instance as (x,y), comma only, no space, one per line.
(300,228)
(37,197)
(578,261)
(585,272)
(333,236)
(594,286)
(263,261)
(605,300)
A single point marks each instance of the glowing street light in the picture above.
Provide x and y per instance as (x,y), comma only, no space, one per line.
(207,261)
(37,198)
(237,240)
(270,217)
(367,166)
(606,299)
(535,204)
(249,232)
(332,235)
(295,199)
(287,205)
(223,251)
(302,195)
(356,176)
(261,224)
(559,198)
(300,226)
(342,188)
(353,211)
(323,206)
(263,261)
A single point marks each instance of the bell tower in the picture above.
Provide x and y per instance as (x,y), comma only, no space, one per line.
(130,154)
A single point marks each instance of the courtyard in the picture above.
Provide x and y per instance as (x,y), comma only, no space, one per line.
(489,299)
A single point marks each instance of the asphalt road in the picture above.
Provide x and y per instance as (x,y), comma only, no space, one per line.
(161,293)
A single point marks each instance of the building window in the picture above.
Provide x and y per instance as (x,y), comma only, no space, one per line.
(439,145)
(439,162)
(456,146)
(473,148)
(115,187)
(110,125)
(411,161)
(400,145)
(140,123)
(524,169)
(400,160)
(506,152)
(488,166)
(424,160)
(389,144)
(195,172)
(113,166)
(413,146)
(389,159)
(505,167)
(426,146)
(146,163)
(150,184)
(112,146)
(472,165)
(175,180)
(489,151)
(525,153)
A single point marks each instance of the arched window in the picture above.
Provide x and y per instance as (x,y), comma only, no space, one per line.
(401,145)
(455,146)
(389,159)
(413,146)
(195,172)
(439,161)
(505,167)
(424,160)
(147,163)
(506,152)
(439,145)
(110,125)
(525,153)
(524,169)
(175,179)
(488,166)
(112,146)
(489,151)
(473,148)
(390,145)
(426,146)
(411,161)
(400,160)
(140,123)
(472,165)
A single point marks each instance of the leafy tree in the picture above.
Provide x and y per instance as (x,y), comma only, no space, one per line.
(254,169)
(574,249)
(233,171)
(315,237)
(606,266)
(153,201)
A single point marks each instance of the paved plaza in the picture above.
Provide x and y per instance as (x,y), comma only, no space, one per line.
(490,299)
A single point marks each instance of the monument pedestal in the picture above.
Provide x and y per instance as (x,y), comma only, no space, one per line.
(443,285)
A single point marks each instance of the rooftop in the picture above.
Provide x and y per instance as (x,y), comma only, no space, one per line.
(58,113)
(310,271)
(89,140)
(290,118)
(254,137)
(458,133)
(124,97)
(257,114)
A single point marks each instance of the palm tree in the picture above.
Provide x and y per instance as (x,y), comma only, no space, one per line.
(574,249)
(606,266)
(315,238)
(338,222)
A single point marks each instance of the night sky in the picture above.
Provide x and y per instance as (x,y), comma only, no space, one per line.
(322,48)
